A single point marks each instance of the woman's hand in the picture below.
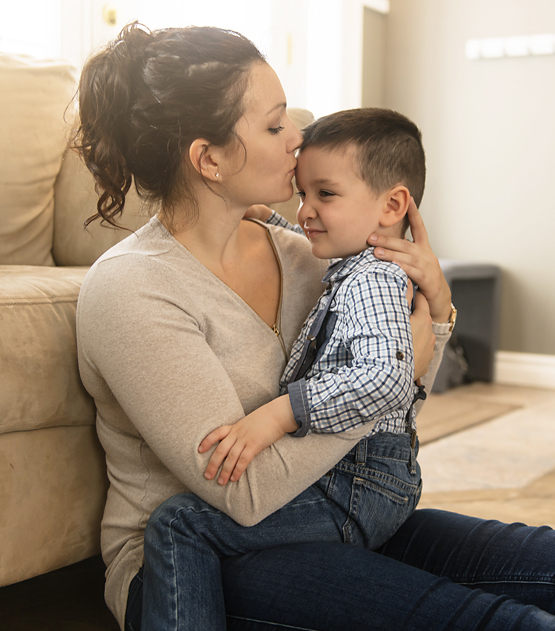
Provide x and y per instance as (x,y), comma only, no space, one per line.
(423,338)
(258,211)
(419,262)
(239,443)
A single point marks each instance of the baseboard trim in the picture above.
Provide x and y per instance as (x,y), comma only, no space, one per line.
(525,369)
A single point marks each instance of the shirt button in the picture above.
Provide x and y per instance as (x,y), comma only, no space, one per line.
(400,355)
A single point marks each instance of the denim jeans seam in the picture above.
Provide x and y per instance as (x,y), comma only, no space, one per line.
(404,487)
(277,625)
(400,499)
(379,476)
(174,565)
(533,580)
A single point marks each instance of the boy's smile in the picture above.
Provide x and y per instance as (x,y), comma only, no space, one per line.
(338,209)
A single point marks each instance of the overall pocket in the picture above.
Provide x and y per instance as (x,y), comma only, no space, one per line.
(377,497)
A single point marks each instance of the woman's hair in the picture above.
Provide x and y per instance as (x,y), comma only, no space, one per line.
(146,97)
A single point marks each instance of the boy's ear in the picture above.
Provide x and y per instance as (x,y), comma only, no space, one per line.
(395,206)
(204,158)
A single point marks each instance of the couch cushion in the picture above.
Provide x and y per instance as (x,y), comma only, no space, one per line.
(52,495)
(39,377)
(34,95)
(75,201)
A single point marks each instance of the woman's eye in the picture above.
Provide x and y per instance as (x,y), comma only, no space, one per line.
(275,130)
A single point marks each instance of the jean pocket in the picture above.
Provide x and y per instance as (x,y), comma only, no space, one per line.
(378,505)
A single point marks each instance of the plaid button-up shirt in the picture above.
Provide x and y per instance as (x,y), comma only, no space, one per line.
(363,372)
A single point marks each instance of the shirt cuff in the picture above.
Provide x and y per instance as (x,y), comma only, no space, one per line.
(276,219)
(298,398)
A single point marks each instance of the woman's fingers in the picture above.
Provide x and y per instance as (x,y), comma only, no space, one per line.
(417,227)
(419,262)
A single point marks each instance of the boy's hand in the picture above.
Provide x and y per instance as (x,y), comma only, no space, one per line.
(239,443)
(258,211)
(419,262)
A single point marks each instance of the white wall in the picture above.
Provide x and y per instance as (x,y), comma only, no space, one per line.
(489,133)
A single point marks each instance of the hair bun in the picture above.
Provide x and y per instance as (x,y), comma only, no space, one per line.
(131,44)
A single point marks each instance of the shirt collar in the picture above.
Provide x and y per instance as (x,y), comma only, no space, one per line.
(340,268)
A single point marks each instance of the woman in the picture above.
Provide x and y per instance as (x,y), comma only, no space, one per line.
(186,325)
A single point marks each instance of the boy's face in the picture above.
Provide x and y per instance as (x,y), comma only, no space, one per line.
(338,209)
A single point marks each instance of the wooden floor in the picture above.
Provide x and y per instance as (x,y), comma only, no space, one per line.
(487,451)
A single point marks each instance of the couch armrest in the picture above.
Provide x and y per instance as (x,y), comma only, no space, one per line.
(39,378)
(52,468)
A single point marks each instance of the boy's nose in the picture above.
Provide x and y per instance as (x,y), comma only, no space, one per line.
(306,211)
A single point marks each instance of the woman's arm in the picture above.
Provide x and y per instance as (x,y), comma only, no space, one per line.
(142,352)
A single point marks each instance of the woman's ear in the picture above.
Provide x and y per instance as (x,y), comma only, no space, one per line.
(395,206)
(204,158)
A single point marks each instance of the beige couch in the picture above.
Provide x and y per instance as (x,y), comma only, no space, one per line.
(52,475)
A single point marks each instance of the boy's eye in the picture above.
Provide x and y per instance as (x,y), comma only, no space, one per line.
(301,194)
(275,130)
(326,194)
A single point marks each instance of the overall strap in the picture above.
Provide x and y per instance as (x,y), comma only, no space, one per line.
(310,348)
(419,396)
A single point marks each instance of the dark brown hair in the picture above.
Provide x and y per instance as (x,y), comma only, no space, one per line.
(146,97)
(388,144)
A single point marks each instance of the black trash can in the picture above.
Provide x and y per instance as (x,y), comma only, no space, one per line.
(470,354)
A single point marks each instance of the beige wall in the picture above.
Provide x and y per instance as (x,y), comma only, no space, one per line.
(489,132)
(373,58)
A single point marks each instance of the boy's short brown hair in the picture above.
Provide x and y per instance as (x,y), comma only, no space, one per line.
(388,145)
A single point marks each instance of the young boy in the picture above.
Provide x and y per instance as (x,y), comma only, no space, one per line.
(352,364)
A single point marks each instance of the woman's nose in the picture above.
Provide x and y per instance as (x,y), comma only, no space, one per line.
(295,139)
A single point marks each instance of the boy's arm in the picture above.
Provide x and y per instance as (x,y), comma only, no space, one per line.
(374,317)
(240,442)
(269,216)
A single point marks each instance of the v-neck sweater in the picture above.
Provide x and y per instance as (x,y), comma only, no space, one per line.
(170,352)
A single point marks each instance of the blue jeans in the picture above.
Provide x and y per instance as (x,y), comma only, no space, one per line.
(362,501)
(439,571)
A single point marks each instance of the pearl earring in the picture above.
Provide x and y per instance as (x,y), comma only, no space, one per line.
(217,175)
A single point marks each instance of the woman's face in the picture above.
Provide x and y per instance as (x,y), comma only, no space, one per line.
(270,138)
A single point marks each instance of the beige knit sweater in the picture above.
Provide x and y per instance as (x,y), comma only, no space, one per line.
(169,353)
